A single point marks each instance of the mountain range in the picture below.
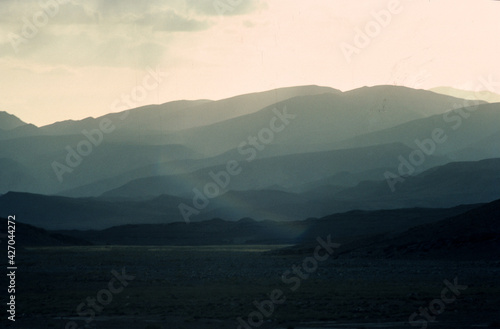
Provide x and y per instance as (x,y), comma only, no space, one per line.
(282,155)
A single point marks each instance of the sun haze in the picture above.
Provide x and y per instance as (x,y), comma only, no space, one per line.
(73,59)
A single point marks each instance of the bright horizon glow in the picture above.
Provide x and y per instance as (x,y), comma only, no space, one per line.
(92,52)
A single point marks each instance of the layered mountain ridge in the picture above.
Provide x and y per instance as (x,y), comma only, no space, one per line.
(284,154)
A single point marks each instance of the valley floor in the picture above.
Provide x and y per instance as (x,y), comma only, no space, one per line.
(213,286)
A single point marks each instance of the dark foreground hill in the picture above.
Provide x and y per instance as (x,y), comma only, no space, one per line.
(345,226)
(474,234)
(30,236)
(53,212)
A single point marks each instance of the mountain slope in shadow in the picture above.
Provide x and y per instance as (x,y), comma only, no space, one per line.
(443,186)
(248,231)
(150,135)
(474,234)
(31,236)
(53,212)
(183,114)
(461,128)
(284,172)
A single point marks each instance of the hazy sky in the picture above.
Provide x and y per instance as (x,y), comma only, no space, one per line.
(82,57)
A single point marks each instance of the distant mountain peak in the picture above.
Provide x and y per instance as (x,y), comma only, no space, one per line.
(482,95)
(9,121)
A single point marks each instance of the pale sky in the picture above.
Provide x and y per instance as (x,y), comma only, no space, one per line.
(84,55)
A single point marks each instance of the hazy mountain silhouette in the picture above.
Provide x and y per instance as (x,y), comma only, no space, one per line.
(135,132)
(443,186)
(345,226)
(179,115)
(483,95)
(461,131)
(108,159)
(487,147)
(53,212)
(330,156)
(333,117)
(9,121)
(283,171)
(15,177)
